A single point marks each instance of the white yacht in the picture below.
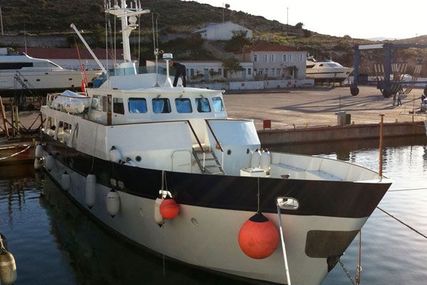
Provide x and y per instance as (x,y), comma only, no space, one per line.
(165,168)
(40,76)
(326,71)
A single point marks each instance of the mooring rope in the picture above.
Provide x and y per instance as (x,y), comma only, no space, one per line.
(16,153)
(347,272)
(403,223)
(407,189)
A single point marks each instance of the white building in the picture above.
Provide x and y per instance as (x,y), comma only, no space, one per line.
(271,61)
(210,71)
(223,31)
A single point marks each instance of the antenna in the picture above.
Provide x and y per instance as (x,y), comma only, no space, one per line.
(155,47)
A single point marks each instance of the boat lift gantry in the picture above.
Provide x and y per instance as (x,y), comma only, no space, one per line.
(386,85)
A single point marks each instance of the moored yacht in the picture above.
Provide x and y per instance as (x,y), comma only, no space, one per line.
(19,71)
(326,71)
(166,168)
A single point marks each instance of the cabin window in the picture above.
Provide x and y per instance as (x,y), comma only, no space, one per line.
(217,104)
(118,107)
(161,105)
(15,65)
(137,105)
(203,105)
(183,105)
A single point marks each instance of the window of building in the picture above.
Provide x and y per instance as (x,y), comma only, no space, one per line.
(191,72)
(249,71)
(265,58)
(271,57)
(255,58)
(220,71)
(218,105)
(277,71)
(118,106)
(284,58)
(161,105)
(137,105)
(289,57)
(183,105)
(203,105)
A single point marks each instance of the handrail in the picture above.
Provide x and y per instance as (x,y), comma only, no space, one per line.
(195,135)
(216,139)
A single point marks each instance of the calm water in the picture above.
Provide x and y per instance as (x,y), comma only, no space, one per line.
(54,243)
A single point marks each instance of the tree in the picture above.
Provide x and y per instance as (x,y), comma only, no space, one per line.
(237,42)
(231,65)
(299,25)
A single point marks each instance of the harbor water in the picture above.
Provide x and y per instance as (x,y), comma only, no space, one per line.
(54,243)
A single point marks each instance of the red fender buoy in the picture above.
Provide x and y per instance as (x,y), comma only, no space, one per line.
(258,237)
(169,209)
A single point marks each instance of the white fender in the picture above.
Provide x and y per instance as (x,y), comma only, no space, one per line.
(90,192)
(255,159)
(265,161)
(115,154)
(50,162)
(157,216)
(38,163)
(66,181)
(50,132)
(113,203)
(38,153)
(7,268)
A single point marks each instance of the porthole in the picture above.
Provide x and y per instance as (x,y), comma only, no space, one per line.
(229,151)
(138,158)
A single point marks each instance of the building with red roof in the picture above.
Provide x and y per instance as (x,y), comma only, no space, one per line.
(274,61)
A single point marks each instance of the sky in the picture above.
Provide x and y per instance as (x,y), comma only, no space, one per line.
(365,19)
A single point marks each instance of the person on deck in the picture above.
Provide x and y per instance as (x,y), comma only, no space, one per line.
(180,71)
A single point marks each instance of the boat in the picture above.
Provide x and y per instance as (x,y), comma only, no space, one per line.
(166,169)
(326,71)
(21,72)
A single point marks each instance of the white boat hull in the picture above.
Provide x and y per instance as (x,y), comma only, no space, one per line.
(207,237)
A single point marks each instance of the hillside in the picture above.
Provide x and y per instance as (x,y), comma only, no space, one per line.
(56,15)
(180,17)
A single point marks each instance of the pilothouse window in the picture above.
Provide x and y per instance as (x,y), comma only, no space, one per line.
(203,105)
(183,105)
(217,104)
(118,107)
(161,105)
(137,105)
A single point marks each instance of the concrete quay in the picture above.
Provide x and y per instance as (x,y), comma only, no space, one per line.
(311,115)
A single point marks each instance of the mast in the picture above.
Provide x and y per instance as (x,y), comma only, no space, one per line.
(128,17)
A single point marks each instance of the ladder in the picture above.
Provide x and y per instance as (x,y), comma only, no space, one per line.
(207,160)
